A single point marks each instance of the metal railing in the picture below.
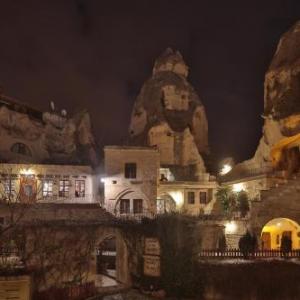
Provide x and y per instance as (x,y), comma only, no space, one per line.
(236,253)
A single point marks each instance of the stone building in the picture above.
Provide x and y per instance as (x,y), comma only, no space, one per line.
(131,179)
(46,156)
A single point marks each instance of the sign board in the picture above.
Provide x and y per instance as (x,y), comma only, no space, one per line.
(15,288)
(152,246)
(151,265)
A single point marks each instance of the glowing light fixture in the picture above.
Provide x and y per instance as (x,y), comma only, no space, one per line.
(102,180)
(178,198)
(230,227)
(225,169)
(238,187)
(27,171)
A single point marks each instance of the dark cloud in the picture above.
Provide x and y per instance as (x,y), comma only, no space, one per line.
(96,54)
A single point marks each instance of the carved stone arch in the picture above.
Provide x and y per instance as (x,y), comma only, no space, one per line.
(121,260)
(139,194)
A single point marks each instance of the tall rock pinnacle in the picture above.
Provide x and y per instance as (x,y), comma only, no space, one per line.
(169,114)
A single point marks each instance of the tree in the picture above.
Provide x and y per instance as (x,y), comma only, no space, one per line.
(286,245)
(247,244)
(227,198)
(243,203)
(222,243)
(18,193)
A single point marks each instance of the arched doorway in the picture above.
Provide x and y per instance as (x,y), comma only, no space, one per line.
(165,204)
(106,258)
(275,229)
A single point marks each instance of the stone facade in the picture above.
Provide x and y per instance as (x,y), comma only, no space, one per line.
(31,136)
(131,177)
(193,198)
(48,183)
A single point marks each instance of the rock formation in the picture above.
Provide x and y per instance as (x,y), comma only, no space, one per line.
(28,135)
(281,107)
(169,114)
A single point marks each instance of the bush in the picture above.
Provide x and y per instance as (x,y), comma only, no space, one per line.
(243,203)
(286,245)
(247,244)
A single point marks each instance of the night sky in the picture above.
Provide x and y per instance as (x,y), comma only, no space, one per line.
(96,55)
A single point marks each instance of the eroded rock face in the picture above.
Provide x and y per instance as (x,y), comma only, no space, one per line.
(282,81)
(31,136)
(281,101)
(169,114)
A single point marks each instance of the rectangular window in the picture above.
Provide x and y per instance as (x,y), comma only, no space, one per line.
(124,206)
(137,206)
(64,187)
(203,197)
(79,188)
(191,197)
(47,188)
(9,187)
(130,170)
(210,195)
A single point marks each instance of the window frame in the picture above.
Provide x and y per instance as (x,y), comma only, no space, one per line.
(191,200)
(81,192)
(201,199)
(20,148)
(124,203)
(138,205)
(64,189)
(130,170)
(47,193)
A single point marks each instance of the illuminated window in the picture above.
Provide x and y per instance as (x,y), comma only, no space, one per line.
(191,197)
(203,197)
(137,206)
(277,239)
(9,187)
(130,170)
(64,186)
(47,188)
(124,206)
(79,188)
(20,148)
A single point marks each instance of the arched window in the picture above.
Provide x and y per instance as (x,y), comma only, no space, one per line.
(20,148)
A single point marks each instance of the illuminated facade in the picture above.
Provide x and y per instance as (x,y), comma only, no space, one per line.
(33,183)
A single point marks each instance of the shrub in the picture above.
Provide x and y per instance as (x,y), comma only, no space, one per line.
(247,244)
(243,203)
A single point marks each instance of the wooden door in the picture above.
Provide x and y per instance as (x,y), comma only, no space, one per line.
(266,241)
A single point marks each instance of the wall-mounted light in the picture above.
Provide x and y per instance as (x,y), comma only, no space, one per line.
(26,171)
(225,169)
(238,187)
(230,227)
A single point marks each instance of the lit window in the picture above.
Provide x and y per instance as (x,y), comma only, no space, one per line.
(47,188)
(191,197)
(9,187)
(130,170)
(64,186)
(124,206)
(20,148)
(203,197)
(137,206)
(79,188)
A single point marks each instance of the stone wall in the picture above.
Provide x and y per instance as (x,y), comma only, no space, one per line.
(144,186)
